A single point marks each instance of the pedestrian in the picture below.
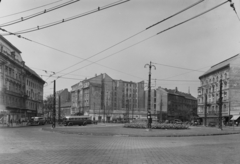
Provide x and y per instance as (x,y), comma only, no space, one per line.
(150,123)
(11,122)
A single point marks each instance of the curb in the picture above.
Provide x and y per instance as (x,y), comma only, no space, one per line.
(135,135)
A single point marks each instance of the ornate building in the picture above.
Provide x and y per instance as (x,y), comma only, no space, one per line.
(208,93)
(21,89)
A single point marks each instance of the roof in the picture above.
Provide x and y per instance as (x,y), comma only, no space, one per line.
(176,92)
(10,44)
(220,65)
(34,73)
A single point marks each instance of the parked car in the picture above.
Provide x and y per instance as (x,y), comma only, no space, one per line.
(177,121)
(212,124)
(37,121)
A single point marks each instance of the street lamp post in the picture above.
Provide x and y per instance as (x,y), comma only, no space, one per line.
(54,103)
(220,105)
(149,94)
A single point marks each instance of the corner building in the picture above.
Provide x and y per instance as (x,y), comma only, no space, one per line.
(208,93)
(21,89)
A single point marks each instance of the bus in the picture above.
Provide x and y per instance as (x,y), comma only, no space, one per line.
(76,120)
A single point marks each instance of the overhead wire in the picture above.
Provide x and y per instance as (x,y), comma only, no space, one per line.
(177,67)
(120,41)
(185,21)
(46,71)
(29,9)
(105,7)
(69,19)
(38,13)
(80,58)
(147,28)
(152,36)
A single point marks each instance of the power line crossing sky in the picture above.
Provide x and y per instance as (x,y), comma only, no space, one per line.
(200,43)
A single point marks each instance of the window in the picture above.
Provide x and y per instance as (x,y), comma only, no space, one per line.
(225,108)
(225,84)
(225,75)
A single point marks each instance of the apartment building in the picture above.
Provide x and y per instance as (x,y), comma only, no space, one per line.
(208,93)
(169,104)
(21,89)
(105,98)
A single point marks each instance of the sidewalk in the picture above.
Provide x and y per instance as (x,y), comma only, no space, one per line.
(119,130)
(14,125)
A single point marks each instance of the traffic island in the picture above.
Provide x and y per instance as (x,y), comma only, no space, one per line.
(116,131)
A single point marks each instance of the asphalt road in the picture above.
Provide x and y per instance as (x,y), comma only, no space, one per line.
(32,145)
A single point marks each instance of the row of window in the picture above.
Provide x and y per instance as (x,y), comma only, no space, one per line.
(213,97)
(32,105)
(14,101)
(215,78)
(214,108)
(14,74)
(34,85)
(34,96)
(13,86)
(213,88)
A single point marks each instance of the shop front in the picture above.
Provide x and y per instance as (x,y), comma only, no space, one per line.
(14,115)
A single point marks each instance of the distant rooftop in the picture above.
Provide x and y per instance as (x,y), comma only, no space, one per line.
(176,92)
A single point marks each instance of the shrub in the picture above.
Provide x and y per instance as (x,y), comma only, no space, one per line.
(156,125)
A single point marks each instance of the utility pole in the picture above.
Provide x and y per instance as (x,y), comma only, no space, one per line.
(205,110)
(128,109)
(160,118)
(107,105)
(220,105)
(94,112)
(149,93)
(59,108)
(54,104)
(132,106)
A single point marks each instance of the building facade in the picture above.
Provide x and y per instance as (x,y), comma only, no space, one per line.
(21,89)
(63,99)
(104,98)
(208,93)
(170,104)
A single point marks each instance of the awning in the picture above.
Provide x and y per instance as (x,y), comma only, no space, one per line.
(235,117)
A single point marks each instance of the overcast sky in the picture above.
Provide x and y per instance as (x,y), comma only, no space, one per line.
(195,45)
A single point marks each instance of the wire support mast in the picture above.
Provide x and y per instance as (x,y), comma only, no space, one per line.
(232,6)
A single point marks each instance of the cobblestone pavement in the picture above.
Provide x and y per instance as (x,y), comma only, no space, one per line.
(31,145)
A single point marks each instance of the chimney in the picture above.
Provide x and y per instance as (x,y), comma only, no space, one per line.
(176,90)
(13,54)
(23,63)
(95,75)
